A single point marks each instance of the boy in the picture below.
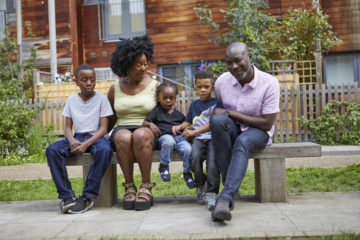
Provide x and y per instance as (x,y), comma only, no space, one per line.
(198,116)
(87,111)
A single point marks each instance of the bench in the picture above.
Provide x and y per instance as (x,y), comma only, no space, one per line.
(269,163)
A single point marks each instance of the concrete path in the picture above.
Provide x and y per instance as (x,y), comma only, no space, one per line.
(308,214)
(41,171)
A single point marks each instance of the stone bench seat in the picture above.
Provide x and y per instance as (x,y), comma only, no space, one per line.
(269,163)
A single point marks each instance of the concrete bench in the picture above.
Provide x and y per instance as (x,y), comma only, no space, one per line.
(270,171)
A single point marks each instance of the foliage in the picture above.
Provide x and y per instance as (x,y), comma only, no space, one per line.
(21,159)
(293,37)
(335,128)
(297,33)
(15,113)
(18,133)
(244,21)
(340,179)
(217,68)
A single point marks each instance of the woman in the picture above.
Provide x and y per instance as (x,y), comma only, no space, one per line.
(132,98)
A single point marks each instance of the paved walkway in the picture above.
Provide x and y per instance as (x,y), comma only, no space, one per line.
(308,214)
(41,171)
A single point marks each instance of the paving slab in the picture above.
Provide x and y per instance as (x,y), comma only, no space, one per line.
(306,214)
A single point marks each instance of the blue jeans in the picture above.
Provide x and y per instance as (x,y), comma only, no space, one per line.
(232,151)
(204,150)
(168,143)
(56,155)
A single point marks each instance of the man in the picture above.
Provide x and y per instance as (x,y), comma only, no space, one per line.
(250,101)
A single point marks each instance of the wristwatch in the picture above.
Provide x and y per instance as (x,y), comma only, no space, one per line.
(227,113)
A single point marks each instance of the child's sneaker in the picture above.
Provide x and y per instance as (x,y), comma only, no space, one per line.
(66,204)
(200,193)
(189,180)
(164,173)
(82,205)
(210,198)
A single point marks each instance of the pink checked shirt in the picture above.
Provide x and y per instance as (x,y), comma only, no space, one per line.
(260,96)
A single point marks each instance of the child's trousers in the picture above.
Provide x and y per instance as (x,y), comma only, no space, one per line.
(56,155)
(168,143)
(204,150)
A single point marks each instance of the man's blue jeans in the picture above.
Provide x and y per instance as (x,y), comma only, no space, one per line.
(168,143)
(232,151)
(56,155)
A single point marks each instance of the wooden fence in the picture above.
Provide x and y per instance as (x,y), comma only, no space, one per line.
(295,101)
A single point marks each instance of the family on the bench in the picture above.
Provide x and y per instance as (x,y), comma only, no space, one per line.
(141,116)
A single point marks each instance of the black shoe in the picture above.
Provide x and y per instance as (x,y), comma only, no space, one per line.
(82,205)
(190,183)
(66,204)
(221,211)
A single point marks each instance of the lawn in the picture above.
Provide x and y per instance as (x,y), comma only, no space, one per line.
(340,179)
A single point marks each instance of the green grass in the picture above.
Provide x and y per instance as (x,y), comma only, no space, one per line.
(19,159)
(341,179)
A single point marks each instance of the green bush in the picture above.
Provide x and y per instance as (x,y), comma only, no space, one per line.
(217,68)
(334,128)
(19,134)
(291,38)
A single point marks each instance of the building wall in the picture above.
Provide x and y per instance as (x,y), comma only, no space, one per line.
(172,24)
(345,19)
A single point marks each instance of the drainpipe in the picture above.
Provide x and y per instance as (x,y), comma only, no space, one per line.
(318,56)
(52,38)
(19,34)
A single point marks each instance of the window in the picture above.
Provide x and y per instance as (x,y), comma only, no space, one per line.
(123,19)
(182,73)
(342,68)
(90,2)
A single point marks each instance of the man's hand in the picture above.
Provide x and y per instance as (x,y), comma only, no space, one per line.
(188,134)
(155,130)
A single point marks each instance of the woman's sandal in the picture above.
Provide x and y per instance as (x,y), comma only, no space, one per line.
(129,196)
(144,199)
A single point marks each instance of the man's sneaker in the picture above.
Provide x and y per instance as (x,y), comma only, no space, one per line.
(210,198)
(200,193)
(189,180)
(221,212)
(164,173)
(66,204)
(82,205)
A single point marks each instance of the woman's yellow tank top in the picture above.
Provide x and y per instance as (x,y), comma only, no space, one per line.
(132,109)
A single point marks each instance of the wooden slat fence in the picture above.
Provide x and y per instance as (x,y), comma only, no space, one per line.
(295,101)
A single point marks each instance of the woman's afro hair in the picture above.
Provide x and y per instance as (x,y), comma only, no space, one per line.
(128,50)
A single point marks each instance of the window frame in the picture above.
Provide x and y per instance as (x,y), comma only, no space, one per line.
(188,72)
(125,6)
(356,65)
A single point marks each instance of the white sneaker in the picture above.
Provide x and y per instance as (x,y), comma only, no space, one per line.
(210,198)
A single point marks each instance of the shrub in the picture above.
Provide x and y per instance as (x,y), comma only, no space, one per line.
(18,132)
(334,128)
